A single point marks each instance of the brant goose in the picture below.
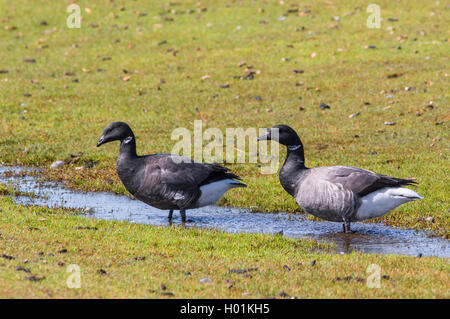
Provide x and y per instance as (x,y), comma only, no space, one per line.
(167,181)
(337,193)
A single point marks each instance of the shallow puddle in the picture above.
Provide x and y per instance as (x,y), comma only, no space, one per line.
(368,238)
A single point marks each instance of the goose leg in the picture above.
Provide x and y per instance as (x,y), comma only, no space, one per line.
(183,215)
(170,214)
(346,227)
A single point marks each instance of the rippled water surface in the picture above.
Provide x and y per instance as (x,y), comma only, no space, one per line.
(368,238)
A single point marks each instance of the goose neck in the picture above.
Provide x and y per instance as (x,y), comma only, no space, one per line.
(128,147)
(295,157)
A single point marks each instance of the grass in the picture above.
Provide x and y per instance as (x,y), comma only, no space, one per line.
(119,260)
(143,63)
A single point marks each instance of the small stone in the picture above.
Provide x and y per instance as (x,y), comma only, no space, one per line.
(57,164)
(205,280)
(313,262)
(140,258)
(102,272)
(20,268)
(242,271)
(324,106)
(34,278)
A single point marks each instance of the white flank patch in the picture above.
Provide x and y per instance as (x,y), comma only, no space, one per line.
(212,192)
(379,203)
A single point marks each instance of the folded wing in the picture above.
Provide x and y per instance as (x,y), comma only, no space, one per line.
(173,180)
(362,182)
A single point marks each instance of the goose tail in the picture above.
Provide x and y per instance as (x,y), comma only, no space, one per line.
(236,184)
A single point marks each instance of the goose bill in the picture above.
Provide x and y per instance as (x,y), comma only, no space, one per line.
(100,141)
(264,137)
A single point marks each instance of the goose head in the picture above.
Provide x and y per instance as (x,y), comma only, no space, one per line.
(116,131)
(282,134)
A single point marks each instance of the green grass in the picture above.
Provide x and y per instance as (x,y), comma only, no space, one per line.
(138,260)
(46,116)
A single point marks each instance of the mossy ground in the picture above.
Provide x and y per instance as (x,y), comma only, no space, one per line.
(143,62)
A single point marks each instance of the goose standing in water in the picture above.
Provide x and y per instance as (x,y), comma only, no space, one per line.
(167,181)
(337,193)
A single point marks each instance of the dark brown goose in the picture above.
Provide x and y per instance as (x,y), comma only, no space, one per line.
(167,181)
(337,193)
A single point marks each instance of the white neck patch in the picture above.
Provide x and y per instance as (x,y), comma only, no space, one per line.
(128,139)
(294,148)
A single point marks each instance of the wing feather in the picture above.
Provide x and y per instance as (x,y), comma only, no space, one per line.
(363,182)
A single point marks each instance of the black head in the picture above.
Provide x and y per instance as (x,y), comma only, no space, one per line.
(116,131)
(283,134)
